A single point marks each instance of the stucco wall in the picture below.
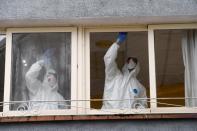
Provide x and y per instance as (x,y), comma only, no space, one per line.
(116,125)
(95,12)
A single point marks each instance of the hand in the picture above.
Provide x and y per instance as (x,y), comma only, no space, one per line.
(41,62)
(121,37)
(45,63)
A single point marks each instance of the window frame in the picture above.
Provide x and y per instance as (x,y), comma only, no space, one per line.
(80,78)
(88,110)
(152,72)
(8,73)
(153,91)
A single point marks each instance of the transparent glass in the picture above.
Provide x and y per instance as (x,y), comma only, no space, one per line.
(41,71)
(169,68)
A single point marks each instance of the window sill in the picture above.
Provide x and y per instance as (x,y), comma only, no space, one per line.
(98,117)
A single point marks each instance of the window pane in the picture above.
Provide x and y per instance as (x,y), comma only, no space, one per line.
(169,67)
(2,68)
(41,71)
(134,46)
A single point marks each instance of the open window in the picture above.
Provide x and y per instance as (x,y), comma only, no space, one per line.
(42,64)
(136,45)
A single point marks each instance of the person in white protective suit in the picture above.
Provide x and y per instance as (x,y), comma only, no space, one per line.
(46,90)
(122,89)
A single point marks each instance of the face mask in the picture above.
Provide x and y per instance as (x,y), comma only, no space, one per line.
(131,65)
(51,80)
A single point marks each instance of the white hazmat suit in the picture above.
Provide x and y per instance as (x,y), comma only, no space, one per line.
(43,91)
(122,86)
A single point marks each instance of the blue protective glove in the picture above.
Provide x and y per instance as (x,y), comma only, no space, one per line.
(121,37)
(48,54)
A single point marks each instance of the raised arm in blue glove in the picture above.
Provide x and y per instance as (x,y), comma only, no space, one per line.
(121,37)
(48,54)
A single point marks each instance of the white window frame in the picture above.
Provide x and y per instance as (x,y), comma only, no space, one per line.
(152,72)
(8,66)
(153,92)
(80,72)
(86,68)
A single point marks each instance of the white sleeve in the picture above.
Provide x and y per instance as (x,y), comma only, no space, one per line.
(33,84)
(111,68)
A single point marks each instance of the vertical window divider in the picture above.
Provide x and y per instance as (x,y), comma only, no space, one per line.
(152,71)
(87,70)
(74,70)
(81,72)
(7,79)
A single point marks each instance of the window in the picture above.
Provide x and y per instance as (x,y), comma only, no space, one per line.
(42,65)
(164,67)
(174,73)
(98,42)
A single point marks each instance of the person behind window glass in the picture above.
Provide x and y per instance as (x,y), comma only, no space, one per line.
(122,87)
(46,90)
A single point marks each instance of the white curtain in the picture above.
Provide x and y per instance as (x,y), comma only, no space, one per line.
(189,49)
